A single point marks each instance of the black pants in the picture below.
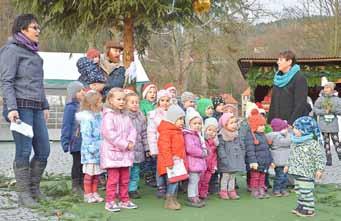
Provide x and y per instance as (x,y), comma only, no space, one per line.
(336,142)
(77,172)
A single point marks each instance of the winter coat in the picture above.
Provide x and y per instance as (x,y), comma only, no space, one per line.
(90,71)
(153,121)
(280,147)
(115,79)
(211,159)
(117,131)
(21,75)
(306,158)
(90,127)
(231,155)
(171,143)
(196,151)
(141,143)
(328,123)
(290,102)
(244,129)
(258,153)
(146,106)
(70,138)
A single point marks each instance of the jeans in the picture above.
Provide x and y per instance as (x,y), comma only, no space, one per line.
(171,188)
(134,177)
(40,141)
(281,180)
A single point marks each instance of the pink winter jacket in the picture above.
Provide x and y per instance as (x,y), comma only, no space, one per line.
(154,118)
(211,159)
(117,131)
(195,151)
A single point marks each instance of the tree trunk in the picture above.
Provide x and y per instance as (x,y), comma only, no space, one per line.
(128,41)
(204,73)
(336,28)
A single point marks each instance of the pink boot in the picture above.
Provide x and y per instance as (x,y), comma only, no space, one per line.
(233,195)
(224,195)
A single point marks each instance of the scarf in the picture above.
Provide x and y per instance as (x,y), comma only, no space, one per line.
(301,139)
(23,40)
(228,135)
(283,80)
(308,127)
(108,66)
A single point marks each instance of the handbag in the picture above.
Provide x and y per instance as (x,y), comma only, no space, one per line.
(178,172)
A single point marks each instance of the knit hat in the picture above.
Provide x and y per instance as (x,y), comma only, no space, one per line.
(191,113)
(217,100)
(249,107)
(203,104)
(187,96)
(169,86)
(330,85)
(163,93)
(113,44)
(73,88)
(173,113)
(129,89)
(92,53)
(255,120)
(146,88)
(307,125)
(224,119)
(278,124)
(211,121)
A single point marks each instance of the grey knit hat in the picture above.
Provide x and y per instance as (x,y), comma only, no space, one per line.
(174,112)
(211,121)
(187,96)
(73,88)
(330,85)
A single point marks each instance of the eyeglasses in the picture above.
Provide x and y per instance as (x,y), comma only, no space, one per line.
(36,28)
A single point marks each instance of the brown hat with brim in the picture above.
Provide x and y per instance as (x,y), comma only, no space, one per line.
(113,44)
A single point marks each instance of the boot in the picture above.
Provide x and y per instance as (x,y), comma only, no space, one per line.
(37,170)
(76,187)
(264,194)
(169,204)
(175,202)
(22,177)
(224,195)
(195,202)
(233,195)
(255,193)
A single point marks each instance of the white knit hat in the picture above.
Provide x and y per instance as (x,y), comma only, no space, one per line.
(211,121)
(187,96)
(173,113)
(73,88)
(191,113)
(163,93)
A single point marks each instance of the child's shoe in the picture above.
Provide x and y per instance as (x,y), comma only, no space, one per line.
(177,205)
(297,209)
(233,195)
(195,202)
(277,194)
(285,193)
(112,207)
(224,195)
(305,213)
(134,195)
(255,193)
(88,198)
(128,205)
(161,192)
(169,203)
(263,193)
(97,197)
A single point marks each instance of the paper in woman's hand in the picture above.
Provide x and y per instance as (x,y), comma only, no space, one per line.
(22,128)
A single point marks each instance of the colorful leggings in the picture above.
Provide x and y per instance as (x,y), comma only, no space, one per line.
(90,183)
(227,182)
(304,188)
(335,139)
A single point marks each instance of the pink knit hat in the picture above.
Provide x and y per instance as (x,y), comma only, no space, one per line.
(224,119)
(163,93)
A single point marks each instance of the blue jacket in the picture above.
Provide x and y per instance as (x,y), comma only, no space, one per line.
(116,79)
(90,72)
(90,127)
(258,153)
(71,139)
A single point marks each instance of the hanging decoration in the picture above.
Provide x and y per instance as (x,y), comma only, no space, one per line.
(201,6)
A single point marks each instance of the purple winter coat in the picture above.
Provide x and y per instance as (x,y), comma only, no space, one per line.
(196,151)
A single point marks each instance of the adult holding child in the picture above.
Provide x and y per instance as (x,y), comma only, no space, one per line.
(22,79)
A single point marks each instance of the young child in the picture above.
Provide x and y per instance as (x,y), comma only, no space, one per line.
(71,139)
(196,153)
(258,155)
(147,103)
(91,73)
(306,163)
(117,150)
(231,156)
(327,107)
(205,108)
(210,135)
(154,118)
(140,125)
(173,92)
(187,100)
(171,148)
(90,120)
(280,149)
(218,105)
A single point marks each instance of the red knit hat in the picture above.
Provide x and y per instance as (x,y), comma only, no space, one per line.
(169,86)
(255,120)
(146,88)
(129,89)
(92,53)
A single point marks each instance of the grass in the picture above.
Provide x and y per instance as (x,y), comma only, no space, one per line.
(69,207)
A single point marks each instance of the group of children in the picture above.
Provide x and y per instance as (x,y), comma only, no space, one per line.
(126,134)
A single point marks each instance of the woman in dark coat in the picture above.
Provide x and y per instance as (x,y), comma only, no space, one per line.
(22,79)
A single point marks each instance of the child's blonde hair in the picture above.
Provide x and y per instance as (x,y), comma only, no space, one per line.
(111,94)
(92,101)
(132,94)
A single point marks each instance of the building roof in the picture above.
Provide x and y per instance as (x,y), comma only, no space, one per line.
(246,63)
(247,92)
(229,99)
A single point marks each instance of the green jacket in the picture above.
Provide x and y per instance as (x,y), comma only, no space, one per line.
(306,158)
(146,106)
